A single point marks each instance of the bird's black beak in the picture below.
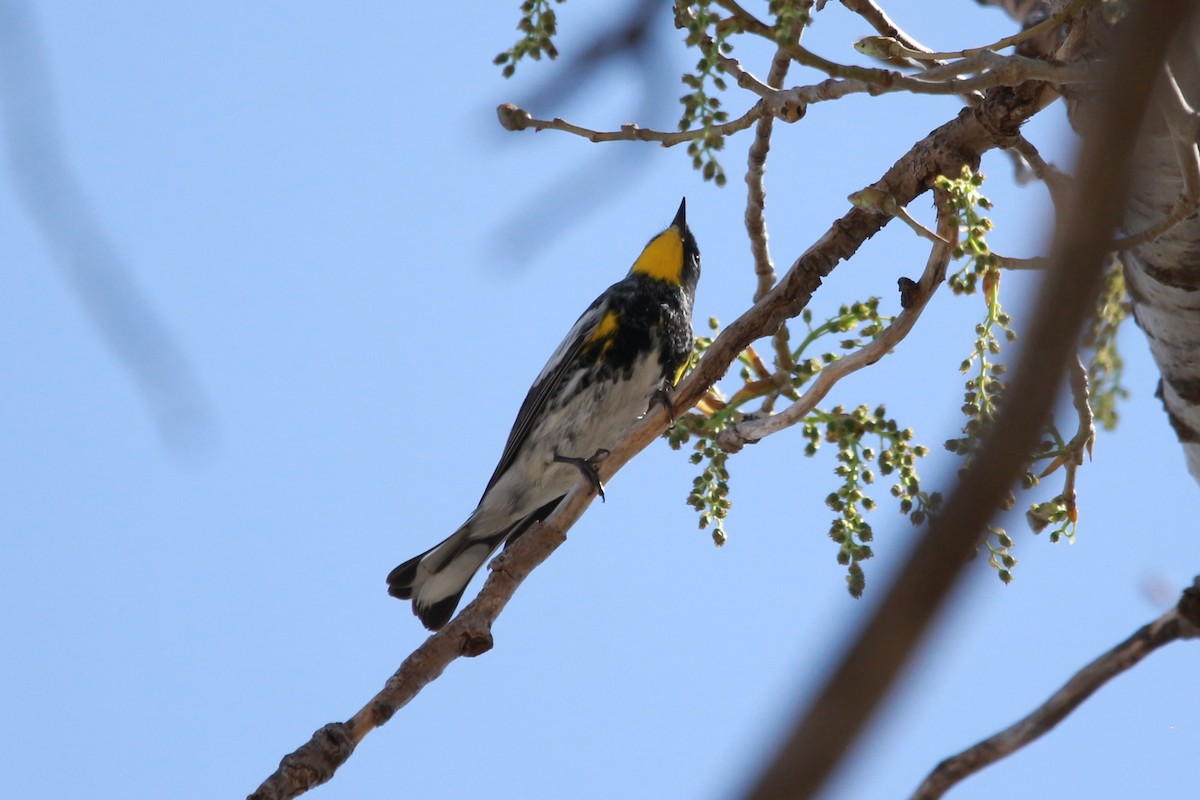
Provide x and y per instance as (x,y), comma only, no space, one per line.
(680,220)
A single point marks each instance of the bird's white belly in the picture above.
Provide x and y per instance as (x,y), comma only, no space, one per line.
(594,420)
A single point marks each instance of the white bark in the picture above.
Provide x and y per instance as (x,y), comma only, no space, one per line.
(1163,275)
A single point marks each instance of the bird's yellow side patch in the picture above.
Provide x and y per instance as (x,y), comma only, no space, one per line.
(679,373)
(663,257)
(606,328)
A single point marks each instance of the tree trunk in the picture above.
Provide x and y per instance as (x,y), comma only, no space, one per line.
(1163,273)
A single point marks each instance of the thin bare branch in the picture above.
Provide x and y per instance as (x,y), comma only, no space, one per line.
(882,202)
(1180,623)
(996,70)
(1085,431)
(513,118)
(790,104)
(1069,456)
(881,22)
(773,105)
(890,31)
(756,194)
(1003,71)
(892,47)
(756,199)
(1008,262)
(755,430)
(752,23)
(1057,182)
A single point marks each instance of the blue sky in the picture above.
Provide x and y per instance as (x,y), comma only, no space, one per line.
(365,273)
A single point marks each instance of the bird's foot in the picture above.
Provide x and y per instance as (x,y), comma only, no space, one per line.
(662,397)
(588,467)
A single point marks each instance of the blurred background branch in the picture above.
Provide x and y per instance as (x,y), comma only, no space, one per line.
(85,252)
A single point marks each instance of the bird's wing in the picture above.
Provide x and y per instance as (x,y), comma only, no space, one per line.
(547,381)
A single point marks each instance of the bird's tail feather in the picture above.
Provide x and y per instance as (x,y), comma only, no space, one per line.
(436,579)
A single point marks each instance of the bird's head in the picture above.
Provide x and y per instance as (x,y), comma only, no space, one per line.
(672,256)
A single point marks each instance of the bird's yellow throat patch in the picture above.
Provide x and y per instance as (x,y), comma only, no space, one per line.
(663,257)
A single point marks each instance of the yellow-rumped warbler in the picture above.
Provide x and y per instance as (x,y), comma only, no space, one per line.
(630,346)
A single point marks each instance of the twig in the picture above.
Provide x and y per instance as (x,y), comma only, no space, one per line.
(1070,454)
(888,29)
(1085,431)
(1009,262)
(880,21)
(755,430)
(876,200)
(1006,70)
(1180,623)
(1023,173)
(774,105)
(756,194)
(860,678)
(1000,71)
(753,23)
(894,48)
(513,118)
(756,224)
(790,104)
(1057,182)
